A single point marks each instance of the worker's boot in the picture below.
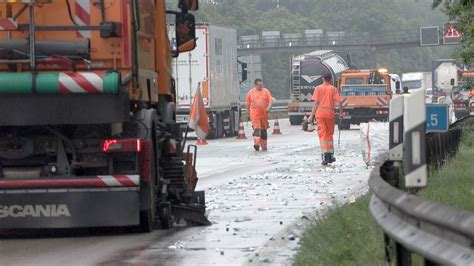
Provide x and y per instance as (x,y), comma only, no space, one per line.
(263,140)
(329,157)
(323,159)
(263,143)
(256,143)
(333,159)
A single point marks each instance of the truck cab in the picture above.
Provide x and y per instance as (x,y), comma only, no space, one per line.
(462,94)
(417,80)
(365,96)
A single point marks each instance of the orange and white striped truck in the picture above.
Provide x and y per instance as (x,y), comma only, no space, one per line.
(88,132)
(365,96)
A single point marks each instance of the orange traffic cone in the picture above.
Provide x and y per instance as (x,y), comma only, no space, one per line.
(310,127)
(276,128)
(241,134)
(201,142)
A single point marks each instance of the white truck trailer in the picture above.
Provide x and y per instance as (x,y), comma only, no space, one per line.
(213,67)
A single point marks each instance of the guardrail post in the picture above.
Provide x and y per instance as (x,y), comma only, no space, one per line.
(414,157)
(396,129)
(403,255)
(395,157)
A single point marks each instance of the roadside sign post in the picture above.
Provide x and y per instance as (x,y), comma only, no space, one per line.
(396,129)
(414,157)
(429,36)
(437,118)
(451,34)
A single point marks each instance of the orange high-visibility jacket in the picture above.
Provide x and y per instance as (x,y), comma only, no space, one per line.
(258,102)
(326,96)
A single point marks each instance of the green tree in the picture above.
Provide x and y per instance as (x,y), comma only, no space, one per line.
(462,12)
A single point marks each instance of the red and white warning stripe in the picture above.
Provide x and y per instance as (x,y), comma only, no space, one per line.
(85,82)
(172,148)
(83,16)
(107,181)
(120,180)
(344,102)
(382,101)
(8,24)
(458,97)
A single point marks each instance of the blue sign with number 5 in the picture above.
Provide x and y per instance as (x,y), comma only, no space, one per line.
(437,118)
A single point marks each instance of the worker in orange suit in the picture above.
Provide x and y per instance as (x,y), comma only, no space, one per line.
(326,98)
(259,103)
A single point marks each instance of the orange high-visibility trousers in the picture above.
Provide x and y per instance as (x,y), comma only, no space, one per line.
(260,135)
(325,133)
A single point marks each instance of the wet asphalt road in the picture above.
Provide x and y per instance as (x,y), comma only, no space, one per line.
(259,204)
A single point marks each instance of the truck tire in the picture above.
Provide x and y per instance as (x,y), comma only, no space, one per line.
(212,126)
(220,125)
(147,129)
(148,217)
(234,125)
(344,125)
(296,120)
(166,219)
(231,131)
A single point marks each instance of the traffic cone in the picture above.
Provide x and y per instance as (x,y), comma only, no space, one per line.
(201,142)
(241,134)
(276,128)
(310,127)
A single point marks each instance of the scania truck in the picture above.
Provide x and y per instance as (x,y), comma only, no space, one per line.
(88,133)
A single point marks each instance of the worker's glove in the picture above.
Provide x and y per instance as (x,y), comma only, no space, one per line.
(305,125)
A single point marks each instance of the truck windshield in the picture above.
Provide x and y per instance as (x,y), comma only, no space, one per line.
(355,81)
(363,90)
(412,84)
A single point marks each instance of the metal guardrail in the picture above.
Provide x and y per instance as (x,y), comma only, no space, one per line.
(278,106)
(439,233)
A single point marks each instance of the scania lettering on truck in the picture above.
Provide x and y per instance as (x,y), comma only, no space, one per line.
(88,135)
(306,73)
(213,67)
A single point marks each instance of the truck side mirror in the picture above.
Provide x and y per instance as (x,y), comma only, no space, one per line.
(192,5)
(397,85)
(185,32)
(244,72)
(453,82)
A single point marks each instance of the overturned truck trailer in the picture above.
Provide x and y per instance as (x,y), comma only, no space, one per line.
(307,73)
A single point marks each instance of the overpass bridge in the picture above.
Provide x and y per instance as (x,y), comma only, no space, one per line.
(299,43)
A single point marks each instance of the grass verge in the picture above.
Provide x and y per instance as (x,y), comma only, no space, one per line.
(347,235)
(453,184)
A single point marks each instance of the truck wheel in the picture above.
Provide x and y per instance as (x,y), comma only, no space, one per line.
(296,120)
(148,216)
(229,132)
(213,126)
(166,218)
(344,126)
(147,222)
(220,126)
